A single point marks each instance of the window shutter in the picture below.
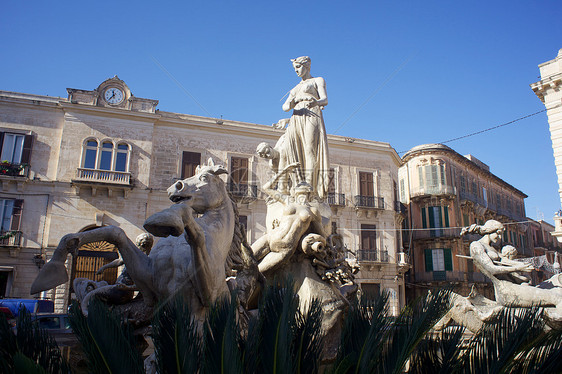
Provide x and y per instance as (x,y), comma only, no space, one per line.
(424,223)
(16,215)
(1,141)
(446,213)
(448,258)
(428,260)
(442,170)
(26,152)
(420,175)
(431,212)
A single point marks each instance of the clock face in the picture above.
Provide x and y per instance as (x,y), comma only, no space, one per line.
(113,95)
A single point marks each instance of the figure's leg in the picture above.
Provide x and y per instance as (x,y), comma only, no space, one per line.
(310,148)
(260,247)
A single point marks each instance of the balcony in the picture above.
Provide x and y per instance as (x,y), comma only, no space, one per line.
(433,191)
(432,233)
(10,238)
(369,202)
(337,199)
(9,169)
(399,207)
(475,199)
(449,276)
(242,192)
(103,176)
(372,255)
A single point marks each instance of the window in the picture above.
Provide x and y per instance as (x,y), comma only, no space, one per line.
(10,214)
(15,148)
(431,177)
(189,162)
(105,156)
(434,217)
(366,184)
(332,181)
(368,250)
(239,170)
(438,260)
(402,191)
(485,196)
(370,291)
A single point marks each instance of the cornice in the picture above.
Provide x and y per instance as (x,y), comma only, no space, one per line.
(108,112)
(462,160)
(551,82)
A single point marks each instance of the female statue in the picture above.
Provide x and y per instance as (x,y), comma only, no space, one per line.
(305,138)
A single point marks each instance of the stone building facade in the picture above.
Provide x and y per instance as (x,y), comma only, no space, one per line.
(549,91)
(445,191)
(105,157)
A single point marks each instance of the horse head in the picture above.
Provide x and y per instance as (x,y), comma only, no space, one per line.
(203,191)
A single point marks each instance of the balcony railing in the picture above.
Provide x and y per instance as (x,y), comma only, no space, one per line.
(372,255)
(243,190)
(444,232)
(399,207)
(14,170)
(475,199)
(336,199)
(369,202)
(434,190)
(450,276)
(103,176)
(10,238)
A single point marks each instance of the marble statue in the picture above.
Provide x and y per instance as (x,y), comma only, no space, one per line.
(511,286)
(201,242)
(305,138)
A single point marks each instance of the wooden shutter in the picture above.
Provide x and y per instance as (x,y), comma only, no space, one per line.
(366,187)
(448,258)
(1,141)
(16,215)
(431,212)
(190,161)
(446,214)
(239,170)
(428,260)
(424,221)
(368,237)
(332,180)
(26,152)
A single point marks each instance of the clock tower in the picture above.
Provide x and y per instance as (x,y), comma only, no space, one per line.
(112,93)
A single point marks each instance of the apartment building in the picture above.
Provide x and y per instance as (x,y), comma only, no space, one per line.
(445,191)
(105,157)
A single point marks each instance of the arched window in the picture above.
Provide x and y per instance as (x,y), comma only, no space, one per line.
(90,153)
(122,157)
(106,156)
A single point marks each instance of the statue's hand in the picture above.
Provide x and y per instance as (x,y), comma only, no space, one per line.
(281,124)
(526,267)
(311,103)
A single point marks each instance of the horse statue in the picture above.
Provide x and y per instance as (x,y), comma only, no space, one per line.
(202,243)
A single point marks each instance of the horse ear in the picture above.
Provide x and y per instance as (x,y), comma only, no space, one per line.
(218,170)
(210,162)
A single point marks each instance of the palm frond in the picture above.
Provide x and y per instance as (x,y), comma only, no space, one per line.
(497,346)
(176,339)
(438,353)
(221,339)
(308,338)
(542,355)
(107,341)
(362,336)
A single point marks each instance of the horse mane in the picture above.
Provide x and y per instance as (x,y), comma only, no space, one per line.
(240,254)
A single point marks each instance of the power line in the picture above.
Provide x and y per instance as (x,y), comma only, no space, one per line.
(489,129)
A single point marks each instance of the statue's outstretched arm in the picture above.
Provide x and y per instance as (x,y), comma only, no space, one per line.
(276,195)
(113,264)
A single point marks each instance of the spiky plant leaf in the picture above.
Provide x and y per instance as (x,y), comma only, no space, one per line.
(175,337)
(362,336)
(25,365)
(438,353)
(410,327)
(221,339)
(498,345)
(107,341)
(543,355)
(31,342)
(308,338)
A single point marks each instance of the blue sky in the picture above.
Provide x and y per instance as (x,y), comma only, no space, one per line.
(406,73)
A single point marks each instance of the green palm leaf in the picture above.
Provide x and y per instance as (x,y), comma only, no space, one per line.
(176,340)
(107,341)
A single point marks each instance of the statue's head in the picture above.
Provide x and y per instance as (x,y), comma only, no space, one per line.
(145,241)
(202,191)
(492,228)
(264,150)
(509,251)
(301,65)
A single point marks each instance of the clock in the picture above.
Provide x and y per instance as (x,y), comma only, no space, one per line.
(113,95)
